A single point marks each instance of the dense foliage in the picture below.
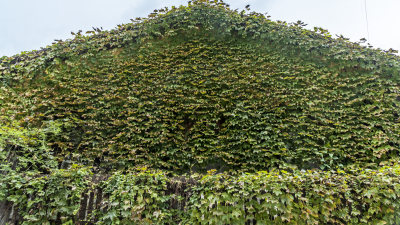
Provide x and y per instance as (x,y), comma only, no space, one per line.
(203,87)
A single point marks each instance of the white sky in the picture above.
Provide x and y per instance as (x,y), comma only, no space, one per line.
(30,24)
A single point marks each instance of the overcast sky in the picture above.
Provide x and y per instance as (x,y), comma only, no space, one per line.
(30,24)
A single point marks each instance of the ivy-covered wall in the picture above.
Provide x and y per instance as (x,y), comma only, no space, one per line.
(151,197)
(298,126)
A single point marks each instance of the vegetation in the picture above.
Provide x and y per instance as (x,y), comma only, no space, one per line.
(202,115)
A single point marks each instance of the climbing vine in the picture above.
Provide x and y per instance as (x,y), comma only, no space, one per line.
(200,88)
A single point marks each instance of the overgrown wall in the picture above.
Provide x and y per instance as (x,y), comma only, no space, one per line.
(201,115)
(145,197)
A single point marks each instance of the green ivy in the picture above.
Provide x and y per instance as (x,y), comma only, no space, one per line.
(30,179)
(354,196)
(136,198)
(47,199)
(195,88)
